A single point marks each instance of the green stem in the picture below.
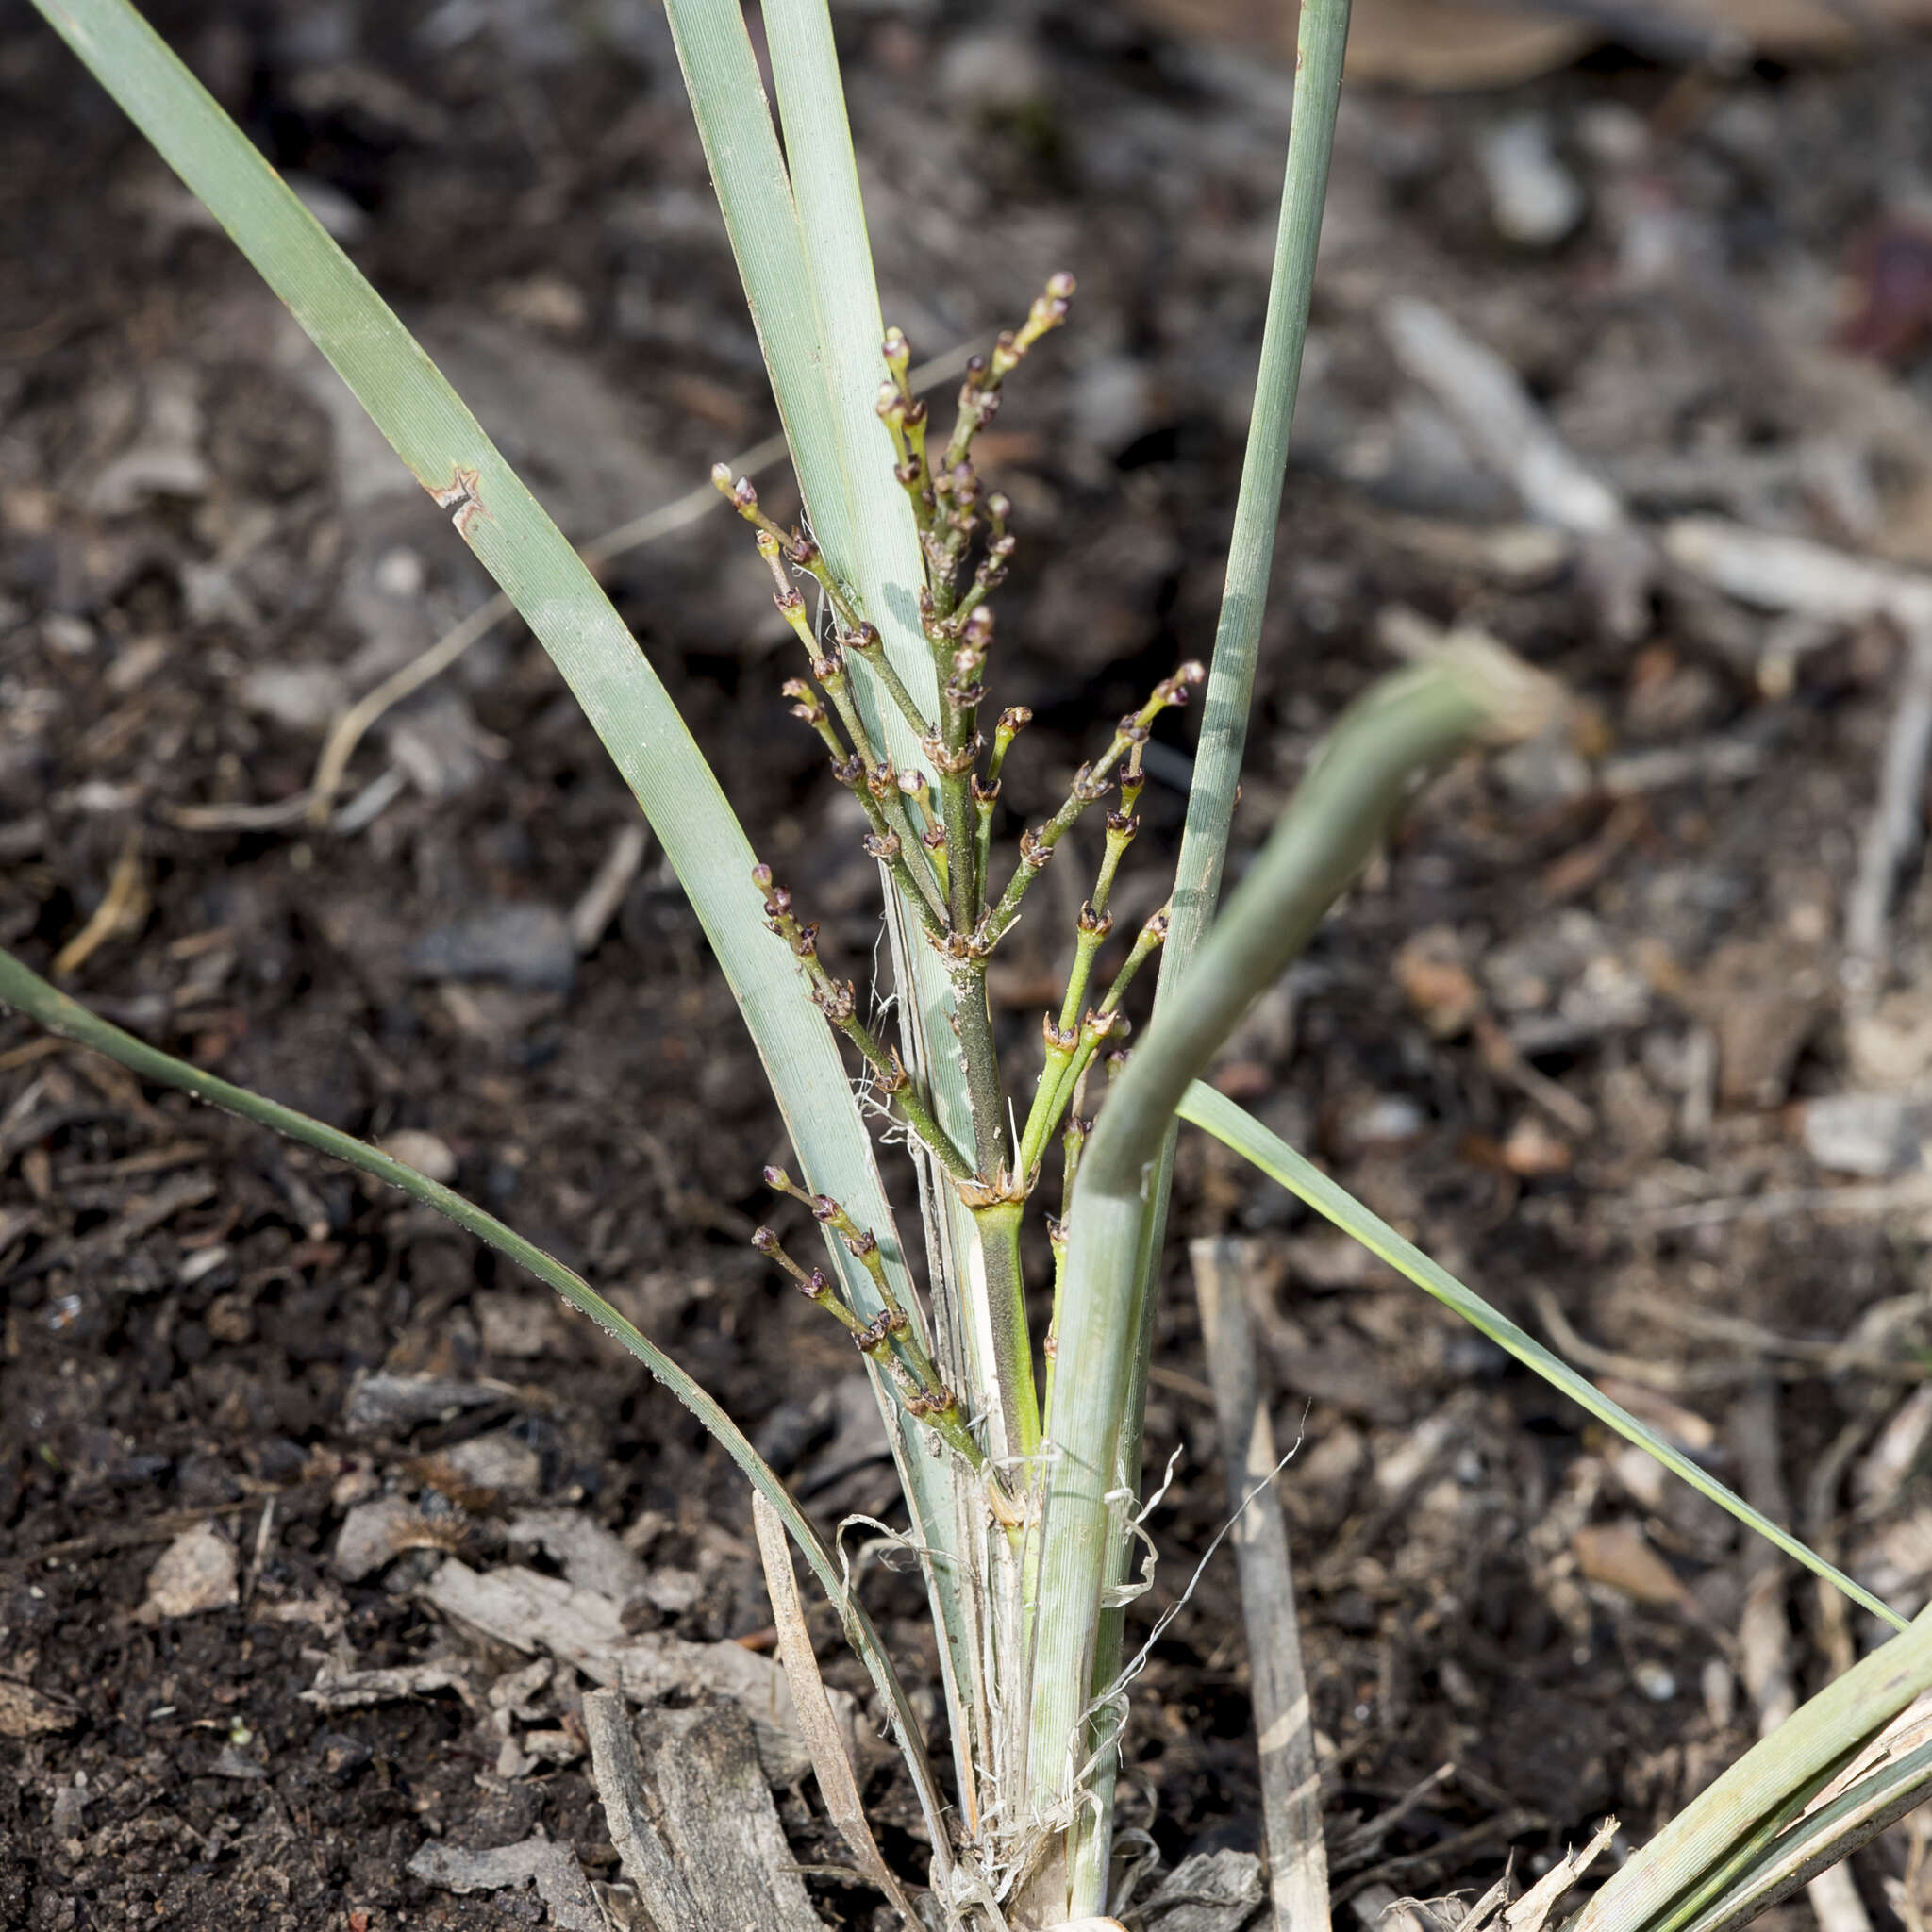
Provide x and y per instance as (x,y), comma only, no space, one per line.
(886,810)
(1405,725)
(1043,1115)
(906,1094)
(957,816)
(1012,1342)
(973,1020)
(875,661)
(1322,39)
(1069,1068)
(1072,1141)
(1090,783)
(985,794)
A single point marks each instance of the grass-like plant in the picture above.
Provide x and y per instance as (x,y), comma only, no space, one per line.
(1019,1447)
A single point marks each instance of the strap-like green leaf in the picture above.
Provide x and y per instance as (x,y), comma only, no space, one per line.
(447,450)
(1235,1127)
(1322,37)
(816,313)
(26,991)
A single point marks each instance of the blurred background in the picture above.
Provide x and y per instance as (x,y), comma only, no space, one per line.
(1621,351)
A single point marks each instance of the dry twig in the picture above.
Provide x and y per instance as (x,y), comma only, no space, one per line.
(836,1785)
(1284,1723)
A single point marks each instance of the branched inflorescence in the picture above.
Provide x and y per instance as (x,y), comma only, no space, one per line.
(931,829)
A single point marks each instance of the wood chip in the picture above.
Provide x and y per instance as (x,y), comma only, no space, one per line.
(341,1689)
(1211,1891)
(702,1768)
(1534,1910)
(394,1405)
(641,1851)
(373,1534)
(1616,1553)
(534,1613)
(25,1713)
(591,1557)
(199,1571)
(1773,572)
(552,1867)
(1284,1723)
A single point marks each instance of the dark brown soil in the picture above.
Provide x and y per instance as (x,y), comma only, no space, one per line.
(188,1305)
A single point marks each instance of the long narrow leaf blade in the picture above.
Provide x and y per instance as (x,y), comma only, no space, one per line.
(1821,1838)
(874,545)
(761,221)
(754,190)
(1820,1732)
(1234,1126)
(885,562)
(450,455)
(1322,37)
(25,991)
(881,555)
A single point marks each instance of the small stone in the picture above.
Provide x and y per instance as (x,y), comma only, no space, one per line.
(342,1755)
(521,1326)
(1533,1152)
(1385,1120)
(1761,998)
(428,1154)
(303,697)
(543,301)
(527,946)
(993,71)
(72,637)
(1611,134)
(69,1810)
(340,217)
(199,1571)
(229,1762)
(1654,1680)
(1111,402)
(1872,1135)
(1430,972)
(1534,199)
(1547,770)
(399,572)
(355,1483)
(1717,1686)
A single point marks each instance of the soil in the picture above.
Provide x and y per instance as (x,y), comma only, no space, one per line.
(1571,1041)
